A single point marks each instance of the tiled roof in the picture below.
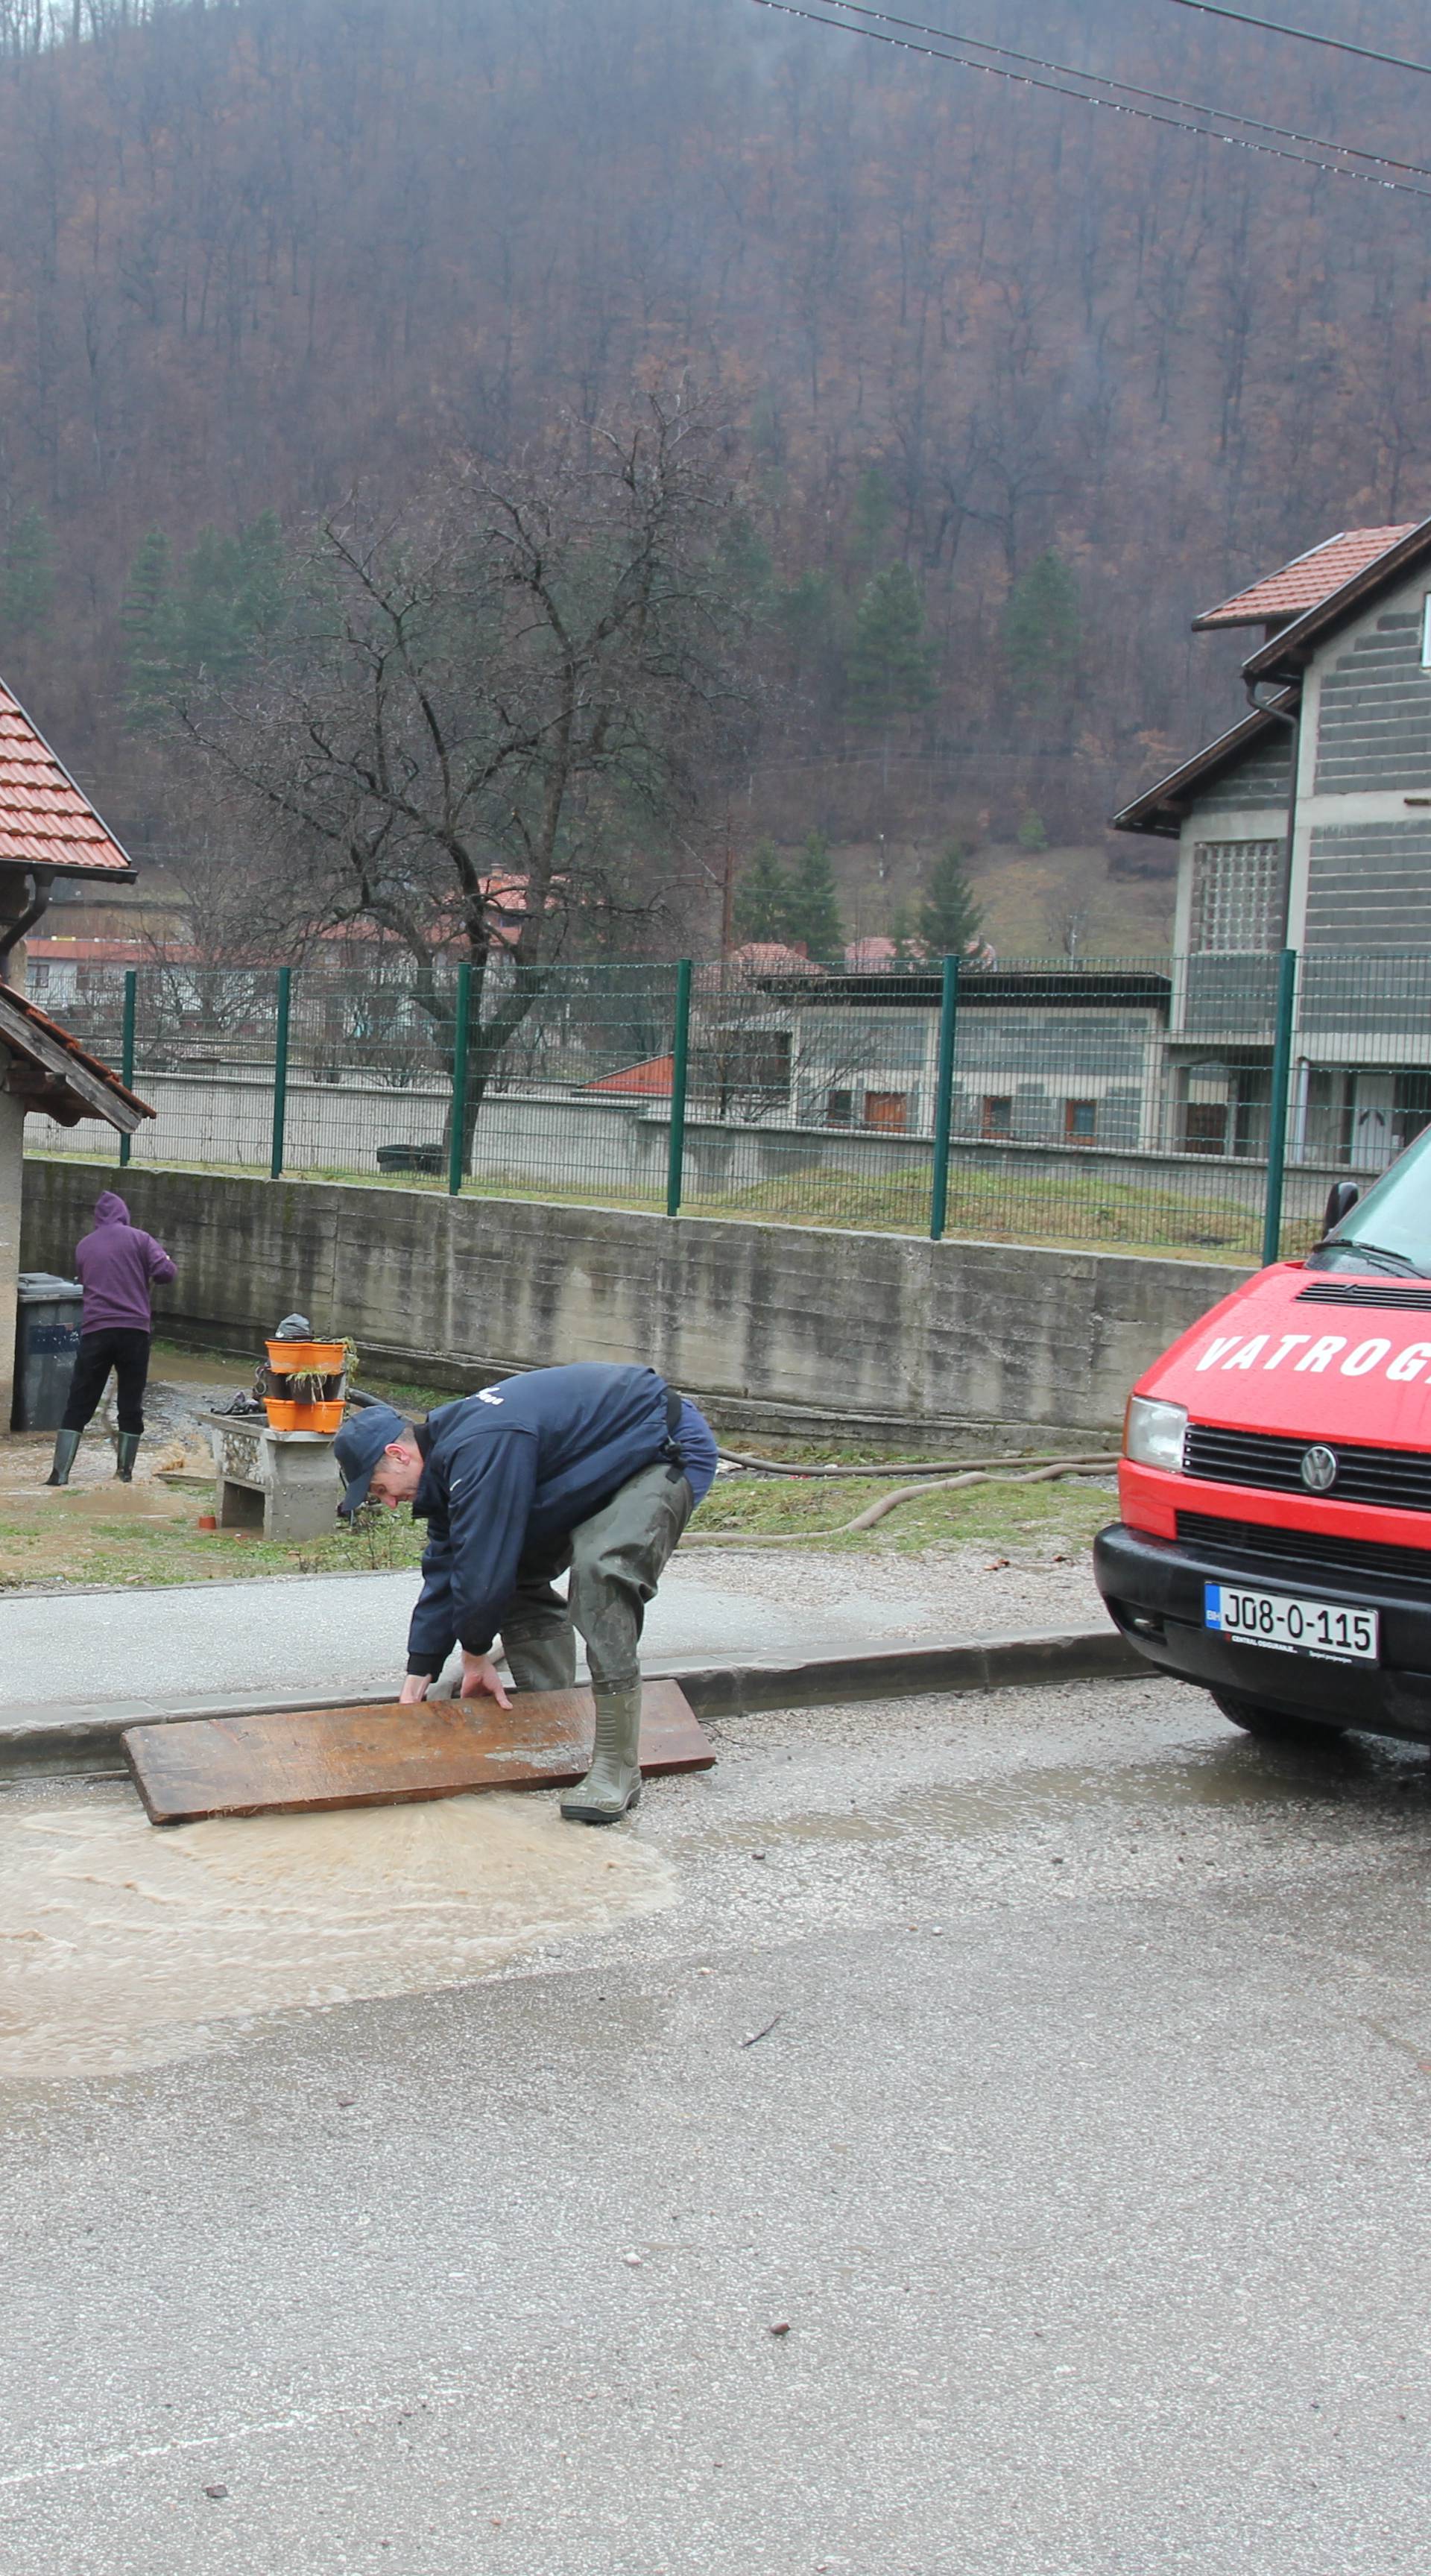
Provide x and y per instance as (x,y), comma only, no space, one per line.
(772,957)
(73,1083)
(44,820)
(64,951)
(653,1080)
(1161,809)
(1307,581)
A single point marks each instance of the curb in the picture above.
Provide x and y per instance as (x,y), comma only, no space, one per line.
(46,1743)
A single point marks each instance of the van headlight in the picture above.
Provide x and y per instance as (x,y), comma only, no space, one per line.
(1153,1433)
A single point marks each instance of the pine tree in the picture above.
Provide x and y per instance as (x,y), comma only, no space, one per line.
(871,513)
(813,903)
(762,898)
(949,917)
(27,576)
(891,666)
(907,939)
(263,559)
(1042,629)
(147,620)
(229,597)
(803,614)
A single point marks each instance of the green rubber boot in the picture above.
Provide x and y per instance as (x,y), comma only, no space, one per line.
(126,1450)
(613,1784)
(66,1445)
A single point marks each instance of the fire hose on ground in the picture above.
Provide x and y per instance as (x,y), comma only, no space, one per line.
(982,1471)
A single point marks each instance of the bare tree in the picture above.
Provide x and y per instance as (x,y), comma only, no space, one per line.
(477,712)
(1068,919)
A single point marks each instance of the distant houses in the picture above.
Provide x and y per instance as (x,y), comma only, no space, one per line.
(1308,825)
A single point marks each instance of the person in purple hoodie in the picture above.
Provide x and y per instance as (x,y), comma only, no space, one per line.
(118,1266)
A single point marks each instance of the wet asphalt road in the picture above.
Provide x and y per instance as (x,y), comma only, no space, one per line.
(1084,2157)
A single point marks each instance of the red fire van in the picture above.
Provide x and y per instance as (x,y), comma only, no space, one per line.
(1275,1543)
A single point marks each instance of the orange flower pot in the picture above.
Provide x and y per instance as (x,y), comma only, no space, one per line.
(324,1357)
(302,1417)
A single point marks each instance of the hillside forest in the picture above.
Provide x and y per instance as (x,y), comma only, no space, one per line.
(1003,388)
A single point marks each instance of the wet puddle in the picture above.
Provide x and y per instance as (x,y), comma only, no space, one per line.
(122,1946)
(1231,1776)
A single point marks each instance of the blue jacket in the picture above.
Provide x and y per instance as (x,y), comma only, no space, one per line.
(518,1466)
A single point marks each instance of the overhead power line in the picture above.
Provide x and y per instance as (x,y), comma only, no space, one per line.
(1037,79)
(1303,35)
(1130,89)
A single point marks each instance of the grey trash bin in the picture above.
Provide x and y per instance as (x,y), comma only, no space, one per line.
(47,1331)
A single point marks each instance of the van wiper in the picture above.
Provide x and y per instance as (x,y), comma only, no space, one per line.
(1377,1256)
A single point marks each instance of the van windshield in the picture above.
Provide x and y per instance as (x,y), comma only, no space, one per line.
(1390,1229)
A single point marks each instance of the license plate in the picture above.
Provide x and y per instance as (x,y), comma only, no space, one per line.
(1295,1626)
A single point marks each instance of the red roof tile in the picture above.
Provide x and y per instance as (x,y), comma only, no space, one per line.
(653,1080)
(44,820)
(772,957)
(61,951)
(1307,581)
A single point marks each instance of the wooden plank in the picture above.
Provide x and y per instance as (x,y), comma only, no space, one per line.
(301,1760)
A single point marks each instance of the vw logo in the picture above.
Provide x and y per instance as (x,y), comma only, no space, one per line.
(1319,1470)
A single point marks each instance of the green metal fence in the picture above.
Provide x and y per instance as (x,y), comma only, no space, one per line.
(1199,1106)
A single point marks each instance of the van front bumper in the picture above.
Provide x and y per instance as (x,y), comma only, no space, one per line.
(1153,1588)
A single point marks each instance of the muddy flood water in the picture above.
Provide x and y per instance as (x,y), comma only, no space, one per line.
(123,1946)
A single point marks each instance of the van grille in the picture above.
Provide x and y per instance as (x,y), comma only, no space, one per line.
(1398,1477)
(1352,1556)
(1364,1292)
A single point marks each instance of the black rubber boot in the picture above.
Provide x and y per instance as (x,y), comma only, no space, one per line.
(66,1445)
(126,1450)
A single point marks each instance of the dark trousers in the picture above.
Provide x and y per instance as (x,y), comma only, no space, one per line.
(123,1349)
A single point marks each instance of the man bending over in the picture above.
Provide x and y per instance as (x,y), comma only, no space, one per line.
(594,1468)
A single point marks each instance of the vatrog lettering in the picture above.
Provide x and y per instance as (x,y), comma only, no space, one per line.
(1315,1354)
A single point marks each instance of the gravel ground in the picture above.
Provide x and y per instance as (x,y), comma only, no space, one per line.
(949,1591)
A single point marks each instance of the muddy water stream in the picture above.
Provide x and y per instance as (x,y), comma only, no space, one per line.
(122,1946)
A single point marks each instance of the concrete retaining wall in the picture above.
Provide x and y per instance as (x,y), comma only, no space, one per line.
(877,1327)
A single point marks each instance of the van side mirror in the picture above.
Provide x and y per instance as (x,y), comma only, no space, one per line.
(1341,1199)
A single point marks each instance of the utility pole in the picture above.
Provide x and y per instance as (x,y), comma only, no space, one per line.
(727,896)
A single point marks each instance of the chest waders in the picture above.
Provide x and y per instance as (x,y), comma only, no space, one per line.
(617,1559)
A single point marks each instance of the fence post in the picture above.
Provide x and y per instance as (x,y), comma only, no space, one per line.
(126,1045)
(457,1140)
(280,1072)
(1277,1112)
(944,1099)
(680,1054)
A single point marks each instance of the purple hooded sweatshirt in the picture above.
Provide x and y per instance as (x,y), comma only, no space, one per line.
(118,1265)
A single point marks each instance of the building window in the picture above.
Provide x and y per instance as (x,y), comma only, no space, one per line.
(888,1109)
(1080,1121)
(998,1115)
(1426,632)
(1235,897)
(839,1109)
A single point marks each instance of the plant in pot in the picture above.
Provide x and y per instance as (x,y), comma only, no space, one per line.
(314,1378)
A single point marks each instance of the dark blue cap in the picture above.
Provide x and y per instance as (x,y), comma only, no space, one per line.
(359,1446)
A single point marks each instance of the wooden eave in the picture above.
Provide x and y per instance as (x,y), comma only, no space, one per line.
(1162,810)
(51,1072)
